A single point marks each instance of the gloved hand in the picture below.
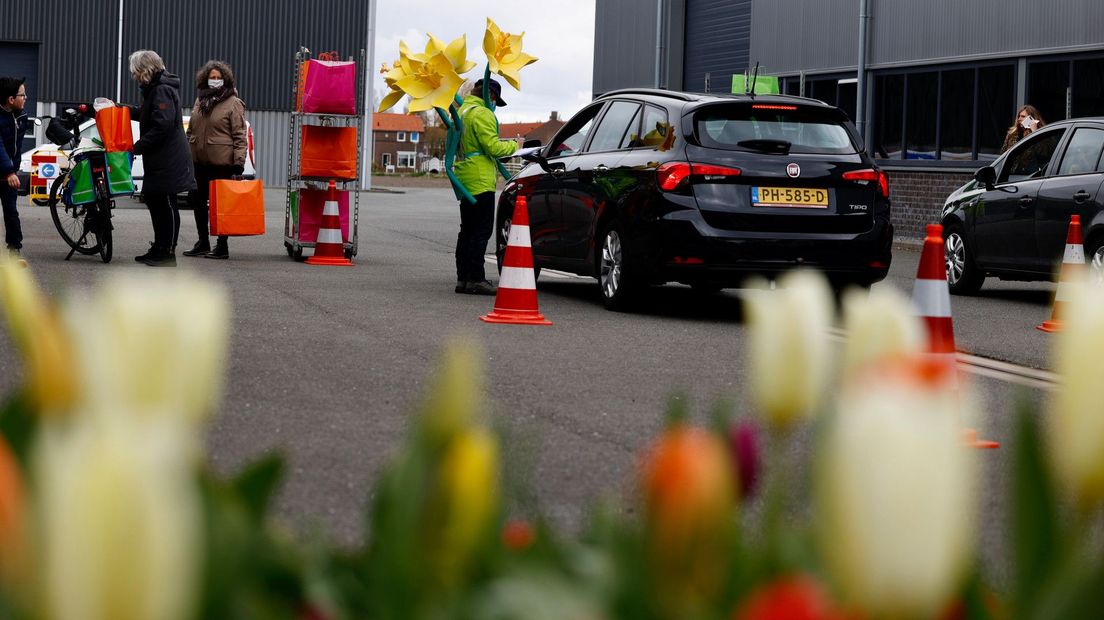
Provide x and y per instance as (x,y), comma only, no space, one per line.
(238,170)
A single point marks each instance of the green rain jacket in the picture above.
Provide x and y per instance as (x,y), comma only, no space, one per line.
(479,144)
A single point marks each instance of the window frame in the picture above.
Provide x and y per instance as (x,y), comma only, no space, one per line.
(415,136)
(413,159)
(400,136)
(585,149)
(1096,165)
(569,129)
(1026,143)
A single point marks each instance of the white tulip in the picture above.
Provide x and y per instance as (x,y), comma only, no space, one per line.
(151,344)
(120,523)
(1075,423)
(880,324)
(788,348)
(894,491)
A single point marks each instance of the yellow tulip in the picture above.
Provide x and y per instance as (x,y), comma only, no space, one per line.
(1075,424)
(119,520)
(455,392)
(504,53)
(158,347)
(880,323)
(894,490)
(12,526)
(37,332)
(788,348)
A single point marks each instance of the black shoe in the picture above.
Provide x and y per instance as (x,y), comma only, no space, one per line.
(161,258)
(460,286)
(142,258)
(221,250)
(200,248)
(480,288)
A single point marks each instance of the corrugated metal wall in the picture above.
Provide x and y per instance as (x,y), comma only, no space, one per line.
(77,50)
(796,35)
(624,44)
(718,38)
(270,143)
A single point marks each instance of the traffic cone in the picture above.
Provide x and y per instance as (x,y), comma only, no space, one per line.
(329,248)
(932,300)
(516,301)
(1073,262)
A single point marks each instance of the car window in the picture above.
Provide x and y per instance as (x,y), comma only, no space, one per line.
(90,132)
(631,133)
(655,127)
(1030,158)
(1083,153)
(573,136)
(613,126)
(759,126)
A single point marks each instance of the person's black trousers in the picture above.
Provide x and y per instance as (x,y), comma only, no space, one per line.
(476,225)
(13,232)
(198,198)
(166,220)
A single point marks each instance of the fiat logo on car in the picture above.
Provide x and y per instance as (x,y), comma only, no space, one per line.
(793,170)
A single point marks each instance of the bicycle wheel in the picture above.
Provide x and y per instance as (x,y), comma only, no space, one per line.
(73,222)
(104,230)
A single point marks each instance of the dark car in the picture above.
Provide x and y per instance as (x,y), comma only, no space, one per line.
(1011,221)
(644,187)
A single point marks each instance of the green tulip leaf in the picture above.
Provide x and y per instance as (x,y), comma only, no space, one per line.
(1034,518)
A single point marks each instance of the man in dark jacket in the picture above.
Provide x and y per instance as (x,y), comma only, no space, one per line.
(13,96)
(166,156)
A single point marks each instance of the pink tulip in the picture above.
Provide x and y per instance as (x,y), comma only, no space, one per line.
(743,442)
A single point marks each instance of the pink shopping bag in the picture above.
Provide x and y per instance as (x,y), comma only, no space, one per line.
(330,87)
(311,203)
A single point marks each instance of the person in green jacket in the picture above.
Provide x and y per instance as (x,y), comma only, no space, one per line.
(479,147)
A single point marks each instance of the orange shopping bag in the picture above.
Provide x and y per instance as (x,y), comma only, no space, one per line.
(237,208)
(114,126)
(328,152)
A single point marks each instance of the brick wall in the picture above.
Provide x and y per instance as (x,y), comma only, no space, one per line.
(917,199)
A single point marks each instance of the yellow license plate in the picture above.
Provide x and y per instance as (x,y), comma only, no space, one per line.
(789,197)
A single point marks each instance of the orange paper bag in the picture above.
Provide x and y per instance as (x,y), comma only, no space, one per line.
(237,208)
(328,152)
(114,126)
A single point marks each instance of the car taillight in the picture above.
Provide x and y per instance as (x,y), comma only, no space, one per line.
(672,174)
(870,174)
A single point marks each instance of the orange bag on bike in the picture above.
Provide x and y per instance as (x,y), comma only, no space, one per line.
(237,207)
(114,127)
(328,152)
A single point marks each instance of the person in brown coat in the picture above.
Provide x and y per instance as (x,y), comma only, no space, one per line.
(217,135)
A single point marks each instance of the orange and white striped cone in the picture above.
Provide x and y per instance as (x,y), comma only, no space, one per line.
(329,248)
(1073,262)
(516,300)
(931,297)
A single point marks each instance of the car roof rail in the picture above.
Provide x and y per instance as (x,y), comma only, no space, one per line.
(655,92)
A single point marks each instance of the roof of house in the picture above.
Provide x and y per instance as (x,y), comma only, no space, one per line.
(516,130)
(383,121)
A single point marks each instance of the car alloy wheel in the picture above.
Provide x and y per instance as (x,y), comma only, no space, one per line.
(1096,263)
(964,277)
(611,265)
(955,253)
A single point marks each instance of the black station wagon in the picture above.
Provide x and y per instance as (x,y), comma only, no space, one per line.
(644,187)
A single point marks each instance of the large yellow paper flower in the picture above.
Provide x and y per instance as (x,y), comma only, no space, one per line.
(426,68)
(504,53)
(456,52)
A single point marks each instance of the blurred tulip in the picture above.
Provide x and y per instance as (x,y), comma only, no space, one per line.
(12,532)
(743,442)
(454,402)
(894,490)
(119,520)
(788,348)
(158,346)
(689,504)
(790,598)
(880,323)
(37,332)
(504,55)
(518,535)
(1075,424)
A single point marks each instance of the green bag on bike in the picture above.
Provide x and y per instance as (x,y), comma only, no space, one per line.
(81,189)
(120,181)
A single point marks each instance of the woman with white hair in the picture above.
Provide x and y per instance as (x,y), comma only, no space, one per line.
(165,154)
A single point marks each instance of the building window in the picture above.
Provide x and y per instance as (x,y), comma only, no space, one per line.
(386,160)
(400,137)
(1066,88)
(406,159)
(889,107)
(921,120)
(996,102)
(956,115)
(414,137)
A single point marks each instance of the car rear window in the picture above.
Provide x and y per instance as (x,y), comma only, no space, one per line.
(767,126)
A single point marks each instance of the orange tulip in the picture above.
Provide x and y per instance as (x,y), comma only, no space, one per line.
(790,598)
(689,501)
(518,535)
(11,514)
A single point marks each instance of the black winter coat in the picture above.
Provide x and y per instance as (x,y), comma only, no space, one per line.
(13,127)
(166,158)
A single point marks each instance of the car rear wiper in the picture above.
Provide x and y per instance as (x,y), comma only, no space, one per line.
(782,147)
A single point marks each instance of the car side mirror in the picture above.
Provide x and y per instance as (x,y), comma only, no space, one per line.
(987,176)
(528,144)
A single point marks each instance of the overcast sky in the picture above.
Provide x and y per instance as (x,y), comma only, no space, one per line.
(560,34)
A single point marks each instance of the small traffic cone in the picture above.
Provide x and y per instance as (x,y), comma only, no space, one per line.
(932,300)
(516,301)
(329,248)
(1073,262)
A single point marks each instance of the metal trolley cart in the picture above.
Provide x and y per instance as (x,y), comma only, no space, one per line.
(296,182)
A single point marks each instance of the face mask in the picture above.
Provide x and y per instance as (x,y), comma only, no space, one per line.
(214,83)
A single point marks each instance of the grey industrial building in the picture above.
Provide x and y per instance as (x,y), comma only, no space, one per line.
(943,78)
(74,51)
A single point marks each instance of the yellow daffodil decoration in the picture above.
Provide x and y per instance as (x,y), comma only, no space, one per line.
(432,79)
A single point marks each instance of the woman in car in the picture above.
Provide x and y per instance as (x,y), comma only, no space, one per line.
(1028,120)
(217,135)
(164,151)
